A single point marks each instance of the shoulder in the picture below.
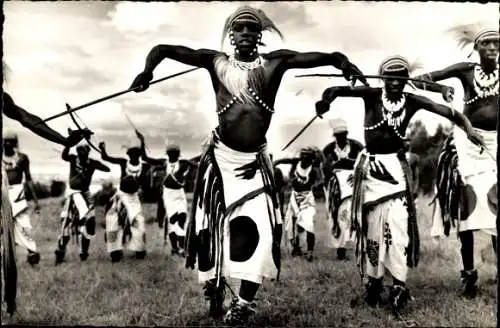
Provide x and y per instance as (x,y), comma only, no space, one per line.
(23,157)
(7,98)
(355,143)
(460,67)
(94,162)
(329,147)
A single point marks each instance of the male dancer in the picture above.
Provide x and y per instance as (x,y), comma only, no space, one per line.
(465,172)
(235,227)
(17,167)
(340,156)
(8,256)
(301,211)
(174,196)
(78,216)
(383,207)
(125,223)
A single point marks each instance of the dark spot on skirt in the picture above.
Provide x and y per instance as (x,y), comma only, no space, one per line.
(493,199)
(206,257)
(470,201)
(244,238)
(90,226)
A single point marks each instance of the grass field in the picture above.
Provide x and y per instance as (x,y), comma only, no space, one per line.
(159,291)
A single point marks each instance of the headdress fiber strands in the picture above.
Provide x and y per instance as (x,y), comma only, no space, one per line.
(246,14)
(472,33)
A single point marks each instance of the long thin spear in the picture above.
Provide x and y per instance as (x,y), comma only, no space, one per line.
(115,95)
(371,77)
(300,132)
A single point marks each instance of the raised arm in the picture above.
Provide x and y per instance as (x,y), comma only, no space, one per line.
(113,160)
(65,154)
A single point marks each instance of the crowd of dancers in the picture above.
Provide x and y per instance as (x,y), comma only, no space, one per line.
(238,215)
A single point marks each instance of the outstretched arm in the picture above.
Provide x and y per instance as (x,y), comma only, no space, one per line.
(454,116)
(100,166)
(153,161)
(331,93)
(455,70)
(291,161)
(30,121)
(199,58)
(296,60)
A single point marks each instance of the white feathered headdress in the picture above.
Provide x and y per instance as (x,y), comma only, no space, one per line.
(473,33)
(247,13)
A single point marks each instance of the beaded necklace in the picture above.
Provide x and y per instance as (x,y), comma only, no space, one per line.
(485,84)
(392,112)
(246,66)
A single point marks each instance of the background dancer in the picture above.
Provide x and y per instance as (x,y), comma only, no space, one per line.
(235,166)
(301,211)
(473,202)
(338,169)
(78,215)
(17,166)
(125,223)
(37,126)
(173,196)
(383,207)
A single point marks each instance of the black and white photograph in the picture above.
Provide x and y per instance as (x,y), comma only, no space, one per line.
(249,163)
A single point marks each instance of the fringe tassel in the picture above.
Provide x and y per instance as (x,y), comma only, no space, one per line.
(413,253)
(209,195)
(357,212)
(8,256)
(333,188)
(449,186)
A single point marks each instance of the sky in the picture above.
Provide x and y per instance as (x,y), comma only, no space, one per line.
(75,52)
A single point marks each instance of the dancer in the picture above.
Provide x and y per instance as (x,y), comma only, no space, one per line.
(125,222)
(8,256)
(17,167)
(340,156)
(467,176)
(301,211)
(78,216)
(173,195)
(235,225)
(383,208)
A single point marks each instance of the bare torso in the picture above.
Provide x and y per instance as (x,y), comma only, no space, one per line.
(80,173)
(243,126)
(16,167)
(383,139)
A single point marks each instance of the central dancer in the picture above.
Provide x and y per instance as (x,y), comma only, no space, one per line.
(235,228)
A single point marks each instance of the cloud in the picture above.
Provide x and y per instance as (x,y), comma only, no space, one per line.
(77,52)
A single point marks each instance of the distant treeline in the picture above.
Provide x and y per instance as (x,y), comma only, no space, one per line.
(151,183)
(425,145)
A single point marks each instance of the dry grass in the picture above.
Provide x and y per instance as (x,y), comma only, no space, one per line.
(159,291)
